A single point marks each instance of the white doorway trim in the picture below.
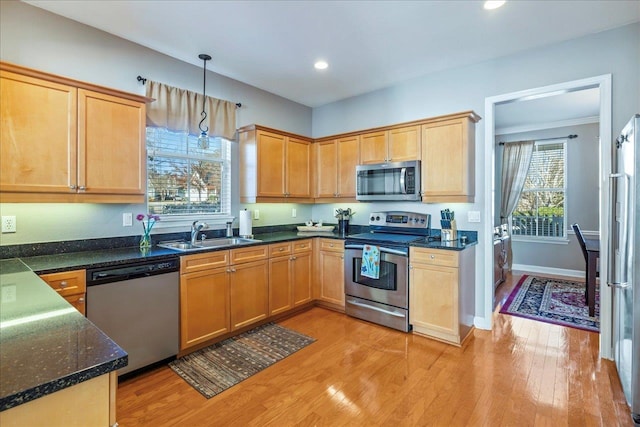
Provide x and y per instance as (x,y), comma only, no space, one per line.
(602,82)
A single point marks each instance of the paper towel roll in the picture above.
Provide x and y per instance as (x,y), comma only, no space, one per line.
(245,223)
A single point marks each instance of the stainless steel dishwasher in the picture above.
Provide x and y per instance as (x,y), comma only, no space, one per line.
(137,306)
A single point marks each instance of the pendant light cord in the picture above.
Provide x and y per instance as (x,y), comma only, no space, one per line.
(205,58)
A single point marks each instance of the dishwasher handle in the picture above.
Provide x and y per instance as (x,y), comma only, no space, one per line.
(103,275)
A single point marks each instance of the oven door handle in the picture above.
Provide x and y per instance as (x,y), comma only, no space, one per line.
(359,304)
(382,249)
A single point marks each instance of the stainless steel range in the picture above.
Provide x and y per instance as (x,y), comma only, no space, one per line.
(381,293)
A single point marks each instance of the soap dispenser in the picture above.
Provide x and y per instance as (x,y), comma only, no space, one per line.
(229,229)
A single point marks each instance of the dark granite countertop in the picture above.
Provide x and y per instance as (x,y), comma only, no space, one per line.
(45,344)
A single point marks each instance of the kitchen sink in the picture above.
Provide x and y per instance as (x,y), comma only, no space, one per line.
(207,244)
(226,241)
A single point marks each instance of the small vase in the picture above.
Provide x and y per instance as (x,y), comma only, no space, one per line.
(343,226)
(145,242)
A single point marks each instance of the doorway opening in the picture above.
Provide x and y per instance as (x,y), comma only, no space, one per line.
(603,85)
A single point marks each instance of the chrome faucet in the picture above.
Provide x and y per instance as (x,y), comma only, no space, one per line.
(195,229)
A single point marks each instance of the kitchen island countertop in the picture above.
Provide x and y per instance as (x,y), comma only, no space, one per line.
(46,345)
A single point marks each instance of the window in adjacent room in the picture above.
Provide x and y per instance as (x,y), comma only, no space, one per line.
(185,178)
(541,210)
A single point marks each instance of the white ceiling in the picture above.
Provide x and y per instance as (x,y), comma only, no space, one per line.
(369,45)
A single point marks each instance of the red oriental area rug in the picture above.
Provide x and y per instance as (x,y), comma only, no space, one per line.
(556,301)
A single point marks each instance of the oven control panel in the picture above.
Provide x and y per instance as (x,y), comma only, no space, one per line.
(400,219)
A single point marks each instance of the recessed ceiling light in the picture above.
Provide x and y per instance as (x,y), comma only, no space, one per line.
(490,4)
(321,65)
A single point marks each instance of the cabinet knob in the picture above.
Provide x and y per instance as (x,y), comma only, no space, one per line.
(341,256)
(281,249)
(432,257)
(233,270)
(228,270)
(294,258)
(73,187)
(82,188)
(81,300)
(331,245)
(63,284)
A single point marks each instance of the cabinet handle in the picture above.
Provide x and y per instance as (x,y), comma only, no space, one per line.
(63,284)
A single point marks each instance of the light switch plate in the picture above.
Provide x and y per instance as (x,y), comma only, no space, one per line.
(256,214)
(9,224)
(294,213)
(473,216)
(127,219)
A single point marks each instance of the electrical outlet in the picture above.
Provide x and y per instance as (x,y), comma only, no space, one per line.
(256,214)
(473,216)
(127,219)
(293,213)
(9,224)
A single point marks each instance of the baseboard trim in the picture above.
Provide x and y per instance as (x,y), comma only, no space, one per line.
(549,270)
(482,323)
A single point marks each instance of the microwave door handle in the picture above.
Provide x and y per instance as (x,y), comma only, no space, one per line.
(403,180)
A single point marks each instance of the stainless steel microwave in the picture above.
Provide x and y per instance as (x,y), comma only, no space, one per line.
(388,181)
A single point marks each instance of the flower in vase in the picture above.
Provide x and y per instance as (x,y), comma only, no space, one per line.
(145,240)
(344,214)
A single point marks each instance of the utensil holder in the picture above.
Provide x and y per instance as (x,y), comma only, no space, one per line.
(449,234)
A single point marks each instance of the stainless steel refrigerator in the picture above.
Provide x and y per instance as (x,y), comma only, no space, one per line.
(624,261)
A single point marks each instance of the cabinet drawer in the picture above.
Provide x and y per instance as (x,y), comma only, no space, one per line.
(301,246)
(205,261)
(434,257)
(331,245)
(68,282)
(248,254)
(278,249)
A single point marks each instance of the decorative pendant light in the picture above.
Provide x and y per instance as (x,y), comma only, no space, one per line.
(203,139)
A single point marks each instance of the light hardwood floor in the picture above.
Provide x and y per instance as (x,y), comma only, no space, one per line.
(523,373)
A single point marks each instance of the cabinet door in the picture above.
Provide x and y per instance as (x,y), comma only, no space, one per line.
(448,161)
(280,284)
(249,289)
(331,278)
(433,301)
(67,283)
(271,164)
(204,306)
(298,168)
(38,141)
(301,278)
(404,144)
(327,169)
(373,147)
(111,144)
(348,157)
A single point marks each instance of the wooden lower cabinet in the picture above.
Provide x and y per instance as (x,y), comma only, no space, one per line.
(71,285)
(89,403)
(442,293)
(204,306)
(330,272)
(290,268)
(249,293)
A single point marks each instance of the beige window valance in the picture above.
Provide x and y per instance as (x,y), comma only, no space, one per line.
(180,110)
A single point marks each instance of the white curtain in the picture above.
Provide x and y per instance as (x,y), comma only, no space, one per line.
(516,159)
(180,110)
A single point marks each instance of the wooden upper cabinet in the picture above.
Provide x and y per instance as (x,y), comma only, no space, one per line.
(393,145)
(68,141)
(111,144)
(336,162)
(404,144)
(38,142)
(271,149)
(448,159)
(274,166)
(298,168)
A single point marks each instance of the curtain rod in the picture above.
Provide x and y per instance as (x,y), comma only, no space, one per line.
(543,139)
(144,82)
